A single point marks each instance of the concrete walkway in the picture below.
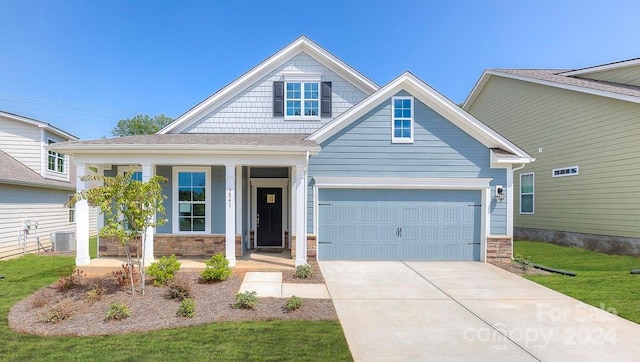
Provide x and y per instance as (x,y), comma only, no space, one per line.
(462,311)
(269,284)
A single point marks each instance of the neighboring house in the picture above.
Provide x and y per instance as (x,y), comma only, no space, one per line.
(584,128)
(35,184)
(305,152)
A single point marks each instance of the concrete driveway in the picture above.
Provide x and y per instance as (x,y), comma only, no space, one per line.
(463,311)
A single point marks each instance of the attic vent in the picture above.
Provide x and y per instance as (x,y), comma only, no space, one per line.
(63,241)
(565,171)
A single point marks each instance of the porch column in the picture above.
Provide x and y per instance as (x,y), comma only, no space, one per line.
(301,212)
(230,214)
(82,219)
(147,174)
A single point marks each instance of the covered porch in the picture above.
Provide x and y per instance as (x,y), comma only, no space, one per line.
(224,193)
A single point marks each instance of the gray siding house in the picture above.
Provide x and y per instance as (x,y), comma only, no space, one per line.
(304,152)
(35,184)
(583,128)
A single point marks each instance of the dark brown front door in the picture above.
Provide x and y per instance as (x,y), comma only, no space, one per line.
(269,218)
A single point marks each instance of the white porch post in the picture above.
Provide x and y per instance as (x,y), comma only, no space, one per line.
(147,173)
(300,212)
(230,214)
(82,219)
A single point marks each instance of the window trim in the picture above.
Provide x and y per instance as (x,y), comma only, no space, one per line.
(72,210)
(57,156)
(175,214)
(532,193)
(395,139)
(311,78)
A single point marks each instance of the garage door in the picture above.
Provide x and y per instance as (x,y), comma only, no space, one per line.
(365,224)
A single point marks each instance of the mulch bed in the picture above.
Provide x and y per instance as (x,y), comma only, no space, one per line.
(153,311)
(516,269)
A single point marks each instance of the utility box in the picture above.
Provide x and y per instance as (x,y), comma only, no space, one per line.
(63,241)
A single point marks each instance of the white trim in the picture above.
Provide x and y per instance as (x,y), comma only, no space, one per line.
(302,100)
(533,193)
(175,224)
(603,67)
(230,213)
(571,168)
(395,139)
(82,219)
(193,159)
(302,77)
(256,183)
(503,161)
(300,227)
(40,124)
(402,183)
(302,44)
(164,149)
(432,99)
(509,199)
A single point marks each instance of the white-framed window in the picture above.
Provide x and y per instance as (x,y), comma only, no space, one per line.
(565,171)
(191,200)
(402,119)
(136,172)
(302,99)
(56,162)
(526,193)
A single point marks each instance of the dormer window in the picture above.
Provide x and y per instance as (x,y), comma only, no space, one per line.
(56,162)
(402,120)
(302,96)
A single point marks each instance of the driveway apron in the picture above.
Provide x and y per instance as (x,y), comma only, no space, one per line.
(409,311)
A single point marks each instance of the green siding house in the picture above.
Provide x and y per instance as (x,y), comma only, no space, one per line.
(583,127)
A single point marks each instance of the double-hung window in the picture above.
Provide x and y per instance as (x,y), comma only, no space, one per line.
(302,99)
(191,194)
(56,162)
(402,119)
(526,193)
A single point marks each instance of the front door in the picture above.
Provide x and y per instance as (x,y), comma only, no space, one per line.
(269,217)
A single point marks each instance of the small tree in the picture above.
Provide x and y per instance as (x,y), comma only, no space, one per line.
(141,124)
(129,208)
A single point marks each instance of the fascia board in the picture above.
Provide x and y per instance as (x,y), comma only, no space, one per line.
(183,149)
(36,184)
(603,67)
(40,124)
(477,88)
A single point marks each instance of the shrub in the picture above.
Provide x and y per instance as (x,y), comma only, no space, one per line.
(179,288)
(163,270)
(187,308)
(122,276)
(217,269)
(70,281)
(303,271)
(118,311)
(293,303)
(523,262)
(96,292)
(58,313)
(246,300)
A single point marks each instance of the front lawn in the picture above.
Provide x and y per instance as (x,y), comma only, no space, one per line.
(267,341)
(602,280)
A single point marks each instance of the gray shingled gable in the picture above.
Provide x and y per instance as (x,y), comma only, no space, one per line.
(14,172)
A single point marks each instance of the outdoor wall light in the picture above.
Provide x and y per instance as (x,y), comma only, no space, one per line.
(500,192)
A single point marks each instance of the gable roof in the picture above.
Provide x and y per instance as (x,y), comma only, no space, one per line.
(302,44)
(558,78)
(14,172)
(603,67)
(434,100)
(39,124)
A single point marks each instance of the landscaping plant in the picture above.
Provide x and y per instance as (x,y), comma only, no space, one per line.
(70,281)
(179,289)
(130,208)
(163,270)
(118,311)
(293,303)
(303,271)
(187,308)
(217,269)
(246,300)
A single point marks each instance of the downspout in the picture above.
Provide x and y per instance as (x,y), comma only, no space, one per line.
(518,168)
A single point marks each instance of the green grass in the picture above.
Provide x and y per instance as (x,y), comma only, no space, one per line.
(93,247)
(602,280)
(264,341)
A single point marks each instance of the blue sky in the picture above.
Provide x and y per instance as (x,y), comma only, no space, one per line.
(83,65)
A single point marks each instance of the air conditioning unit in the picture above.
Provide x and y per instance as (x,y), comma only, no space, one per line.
(63,241)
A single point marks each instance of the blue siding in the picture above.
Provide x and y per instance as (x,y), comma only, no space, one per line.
(165,171)
(440,149)
(218,198)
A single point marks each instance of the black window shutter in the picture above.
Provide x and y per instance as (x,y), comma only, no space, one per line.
(278,99)
(325,98)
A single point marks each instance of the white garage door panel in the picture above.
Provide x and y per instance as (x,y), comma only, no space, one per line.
(398,224)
